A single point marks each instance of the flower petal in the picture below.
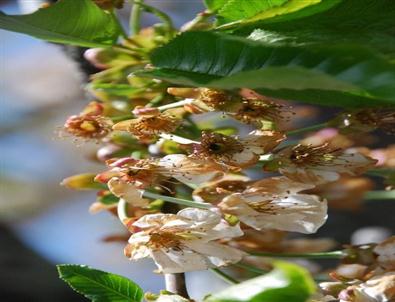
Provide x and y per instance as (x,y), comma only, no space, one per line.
(128,192)
(298,213)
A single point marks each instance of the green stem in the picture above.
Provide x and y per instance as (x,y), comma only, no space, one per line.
(180,201)
(250,268)
(200,17)
(135,17)
(323,255)
(115,18)
(380,195)
(307,129)
(156,100)
(161,15)
(228,25)
(121,118)
(224,276)
(380,172)
(176,104)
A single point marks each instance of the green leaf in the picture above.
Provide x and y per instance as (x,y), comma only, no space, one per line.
(293,73)
(213,5)
(363,22)
(247,11)
(99,286)
(108,199)
(115,90)
(72,22)
(286,282)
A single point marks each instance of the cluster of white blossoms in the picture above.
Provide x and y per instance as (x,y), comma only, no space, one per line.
(227,202)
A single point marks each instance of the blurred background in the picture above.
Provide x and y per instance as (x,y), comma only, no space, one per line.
(42,223)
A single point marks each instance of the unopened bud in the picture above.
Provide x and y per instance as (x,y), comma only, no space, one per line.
(191,93)
(81,182)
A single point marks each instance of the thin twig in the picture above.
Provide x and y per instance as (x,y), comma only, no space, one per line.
(307,129)
(224,276)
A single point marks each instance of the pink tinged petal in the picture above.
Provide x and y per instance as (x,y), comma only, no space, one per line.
(104,177)
(224,231)
(309,175)
(127,191)
(278,186)
(201,219)
(217,254)
(386,253)
(351,271)
(245,158)
(189,171)
(380,288)
(154,220)
(297,213)
(137,246)
(179,261)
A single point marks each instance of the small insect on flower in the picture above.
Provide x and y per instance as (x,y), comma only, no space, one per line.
(149,123)
(367,120)
(183,242)
(274,203)
(320,164)
(89,124)
(234,151)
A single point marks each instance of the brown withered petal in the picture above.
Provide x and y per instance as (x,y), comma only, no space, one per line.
(346,193)
(88,126)
(147,126)
(321,164)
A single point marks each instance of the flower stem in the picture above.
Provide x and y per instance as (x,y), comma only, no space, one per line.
(178,139)
(307,129)
(175,283)
(250,268)
(121,118)
(176,104)
(116,20)
(224,276)
(122,210)
(184,202)
(200,17)
(135,16)
(380,195)
(229,25)
(161,15)
(323,255)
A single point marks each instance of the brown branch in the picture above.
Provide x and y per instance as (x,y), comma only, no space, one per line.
(175,283)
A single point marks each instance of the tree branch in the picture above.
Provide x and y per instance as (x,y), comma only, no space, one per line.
(175,283)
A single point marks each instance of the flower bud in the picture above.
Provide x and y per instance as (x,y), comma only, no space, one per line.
(83,181)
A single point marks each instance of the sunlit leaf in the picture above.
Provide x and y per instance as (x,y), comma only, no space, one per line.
(247,11)
(99,286)
(72,22)
(286,282)
(294,73)
(362,22)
